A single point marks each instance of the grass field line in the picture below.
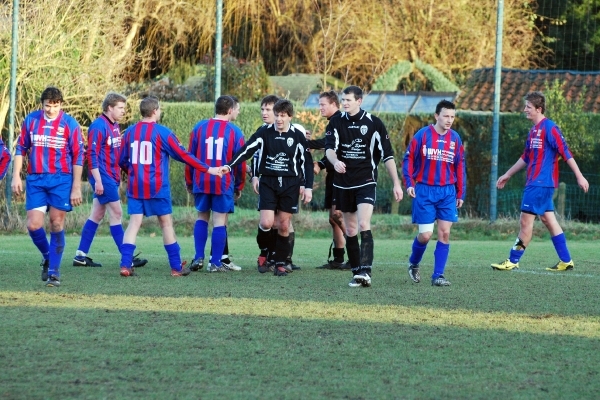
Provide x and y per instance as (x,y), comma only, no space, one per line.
(549,324)
(559,274)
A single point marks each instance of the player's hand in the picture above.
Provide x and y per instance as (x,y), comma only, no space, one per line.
(583,184)
(305,195)
(502,181)
(17,185)
(459,203)
(316,168)
(76,199)
(411,192)
(218,171)
(308,135)
(99,188)
(340,167)
(237,194)
(225,169)
(398,193)
(255,182)
(189,189)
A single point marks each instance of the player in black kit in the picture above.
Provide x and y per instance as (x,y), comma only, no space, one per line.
(356,142)
(286,171)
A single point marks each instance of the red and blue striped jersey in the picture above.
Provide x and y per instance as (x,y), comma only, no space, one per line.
(436,160)
(213,142)
(145,151)
(544,144)
(104,147)
(52,146)
(4,159)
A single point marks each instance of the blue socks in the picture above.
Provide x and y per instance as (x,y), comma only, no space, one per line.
(219,236)
(41,242)
(87,236)
(560,245)
(117,233)
(440,256)
(418,249)
(517,251)
(174,256)
(127,254)
(57,246)
(200,238)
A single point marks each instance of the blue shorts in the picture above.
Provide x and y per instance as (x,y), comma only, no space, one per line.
(537,200)
(149,207)
(434,203)
(111,190)
(221,203)
(44,190)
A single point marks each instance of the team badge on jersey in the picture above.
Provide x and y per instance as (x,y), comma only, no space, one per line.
(290,142)
(109,140)
(60,130)
(424,150)
(452,145)
(364,129)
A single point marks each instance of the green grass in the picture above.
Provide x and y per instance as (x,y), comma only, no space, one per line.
(522,334)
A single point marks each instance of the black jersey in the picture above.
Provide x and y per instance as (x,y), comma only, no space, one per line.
(319,144)
(279,154)
(361,142)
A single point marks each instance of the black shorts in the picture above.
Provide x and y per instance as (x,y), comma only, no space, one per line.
(347,200)
(279,194)
(329,197)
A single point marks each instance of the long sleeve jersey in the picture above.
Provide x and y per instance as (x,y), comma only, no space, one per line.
(282,154)
(544,144)
(53,146)
(104,148)
(436,160)
(319,144)
(213,142)
(145,151)
(4,159)
(361,142)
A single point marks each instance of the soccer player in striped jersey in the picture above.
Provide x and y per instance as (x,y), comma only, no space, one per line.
(146,148)
(435,176)
(4,159)
(545,143)
(52,141)
(355,143)
(214,141)
(104,175)
(285,170)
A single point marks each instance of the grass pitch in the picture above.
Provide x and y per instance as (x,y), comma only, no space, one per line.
(521,334)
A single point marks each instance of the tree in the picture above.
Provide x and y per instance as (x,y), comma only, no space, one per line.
(85,60)
(571,30)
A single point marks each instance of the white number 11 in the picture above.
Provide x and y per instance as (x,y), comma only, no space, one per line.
(209,148)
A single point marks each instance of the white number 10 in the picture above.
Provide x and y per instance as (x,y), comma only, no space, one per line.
(144,149)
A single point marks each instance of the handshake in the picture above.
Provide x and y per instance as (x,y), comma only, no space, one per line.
(219,171)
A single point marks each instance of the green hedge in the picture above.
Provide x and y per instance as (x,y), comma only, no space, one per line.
(474,128)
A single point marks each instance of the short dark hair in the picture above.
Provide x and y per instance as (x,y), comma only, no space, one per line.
(112,99)
(269,99)
(448,105)
(332,96)
(537,99)
(148,105)
(224,104)
(355,90)
(52,94)
(284,106)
